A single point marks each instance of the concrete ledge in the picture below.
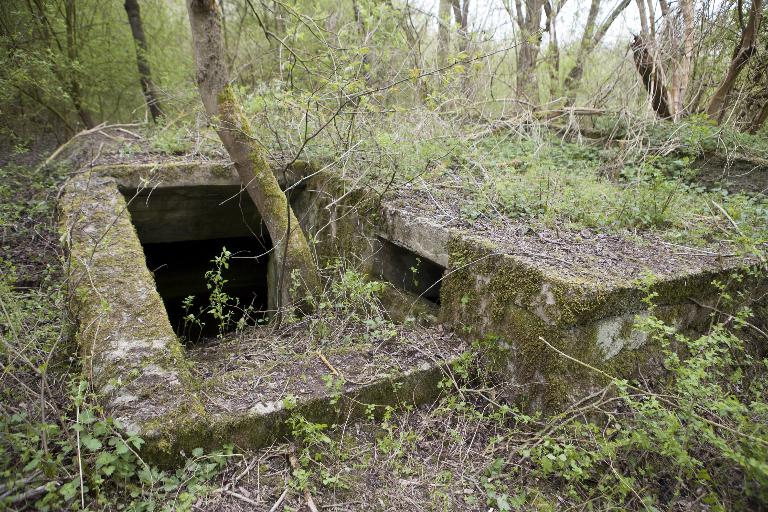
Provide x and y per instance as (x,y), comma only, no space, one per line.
(510,304)
(250,393)
(191,173)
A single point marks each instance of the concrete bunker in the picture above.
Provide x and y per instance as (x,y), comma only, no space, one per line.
(120,222)
(182,230)
(509,293)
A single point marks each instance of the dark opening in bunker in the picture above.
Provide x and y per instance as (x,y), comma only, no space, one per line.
(409,271)
(183,230)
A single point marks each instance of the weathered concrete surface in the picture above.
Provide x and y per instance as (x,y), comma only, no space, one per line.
(419,234)
(191,200)
(351,224)
(130,353)
(511,305)
(198,212)
(495,293)
(190,173)
(252,386)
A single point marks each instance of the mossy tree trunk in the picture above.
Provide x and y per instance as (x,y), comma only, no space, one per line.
(297,276)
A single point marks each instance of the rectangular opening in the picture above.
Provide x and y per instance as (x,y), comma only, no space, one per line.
(409,271)
(183,230)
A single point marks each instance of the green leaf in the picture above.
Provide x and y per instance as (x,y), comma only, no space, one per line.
(105,458)
(91,443)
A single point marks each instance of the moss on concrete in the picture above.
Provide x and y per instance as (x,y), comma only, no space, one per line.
(130,353)
(512,304)
(339,219)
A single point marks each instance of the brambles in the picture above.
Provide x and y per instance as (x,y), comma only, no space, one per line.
(57,449)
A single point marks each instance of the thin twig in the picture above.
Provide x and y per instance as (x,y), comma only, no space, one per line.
(279,501)
(241,497)
(329,365)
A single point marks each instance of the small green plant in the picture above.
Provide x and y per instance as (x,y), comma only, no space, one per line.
(89,461)
(352,298)
(496,491)
(221,305)
(702,431)
(315,445)
(191,322)
(335,387)
(397,443)
(415,272)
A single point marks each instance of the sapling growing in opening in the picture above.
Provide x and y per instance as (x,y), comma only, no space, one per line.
(220,303)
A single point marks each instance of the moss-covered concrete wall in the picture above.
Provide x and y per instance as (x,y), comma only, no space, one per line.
(130,352)
(508,303)
(339,220)
(132,357)
(511,305)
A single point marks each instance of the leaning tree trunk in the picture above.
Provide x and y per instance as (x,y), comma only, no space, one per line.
(298,281)
(652,80)
(741,55)
(529,23)
(592,37)
(585,47)
(140,42)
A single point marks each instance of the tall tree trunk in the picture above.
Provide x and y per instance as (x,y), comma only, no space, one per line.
(643,18)
(444,32)
(741,55)
(681,73)
(140,42)
(461,13)
(298,281)
(75,91)
(585,47)
(652,79)
(529,23)
(553,50)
